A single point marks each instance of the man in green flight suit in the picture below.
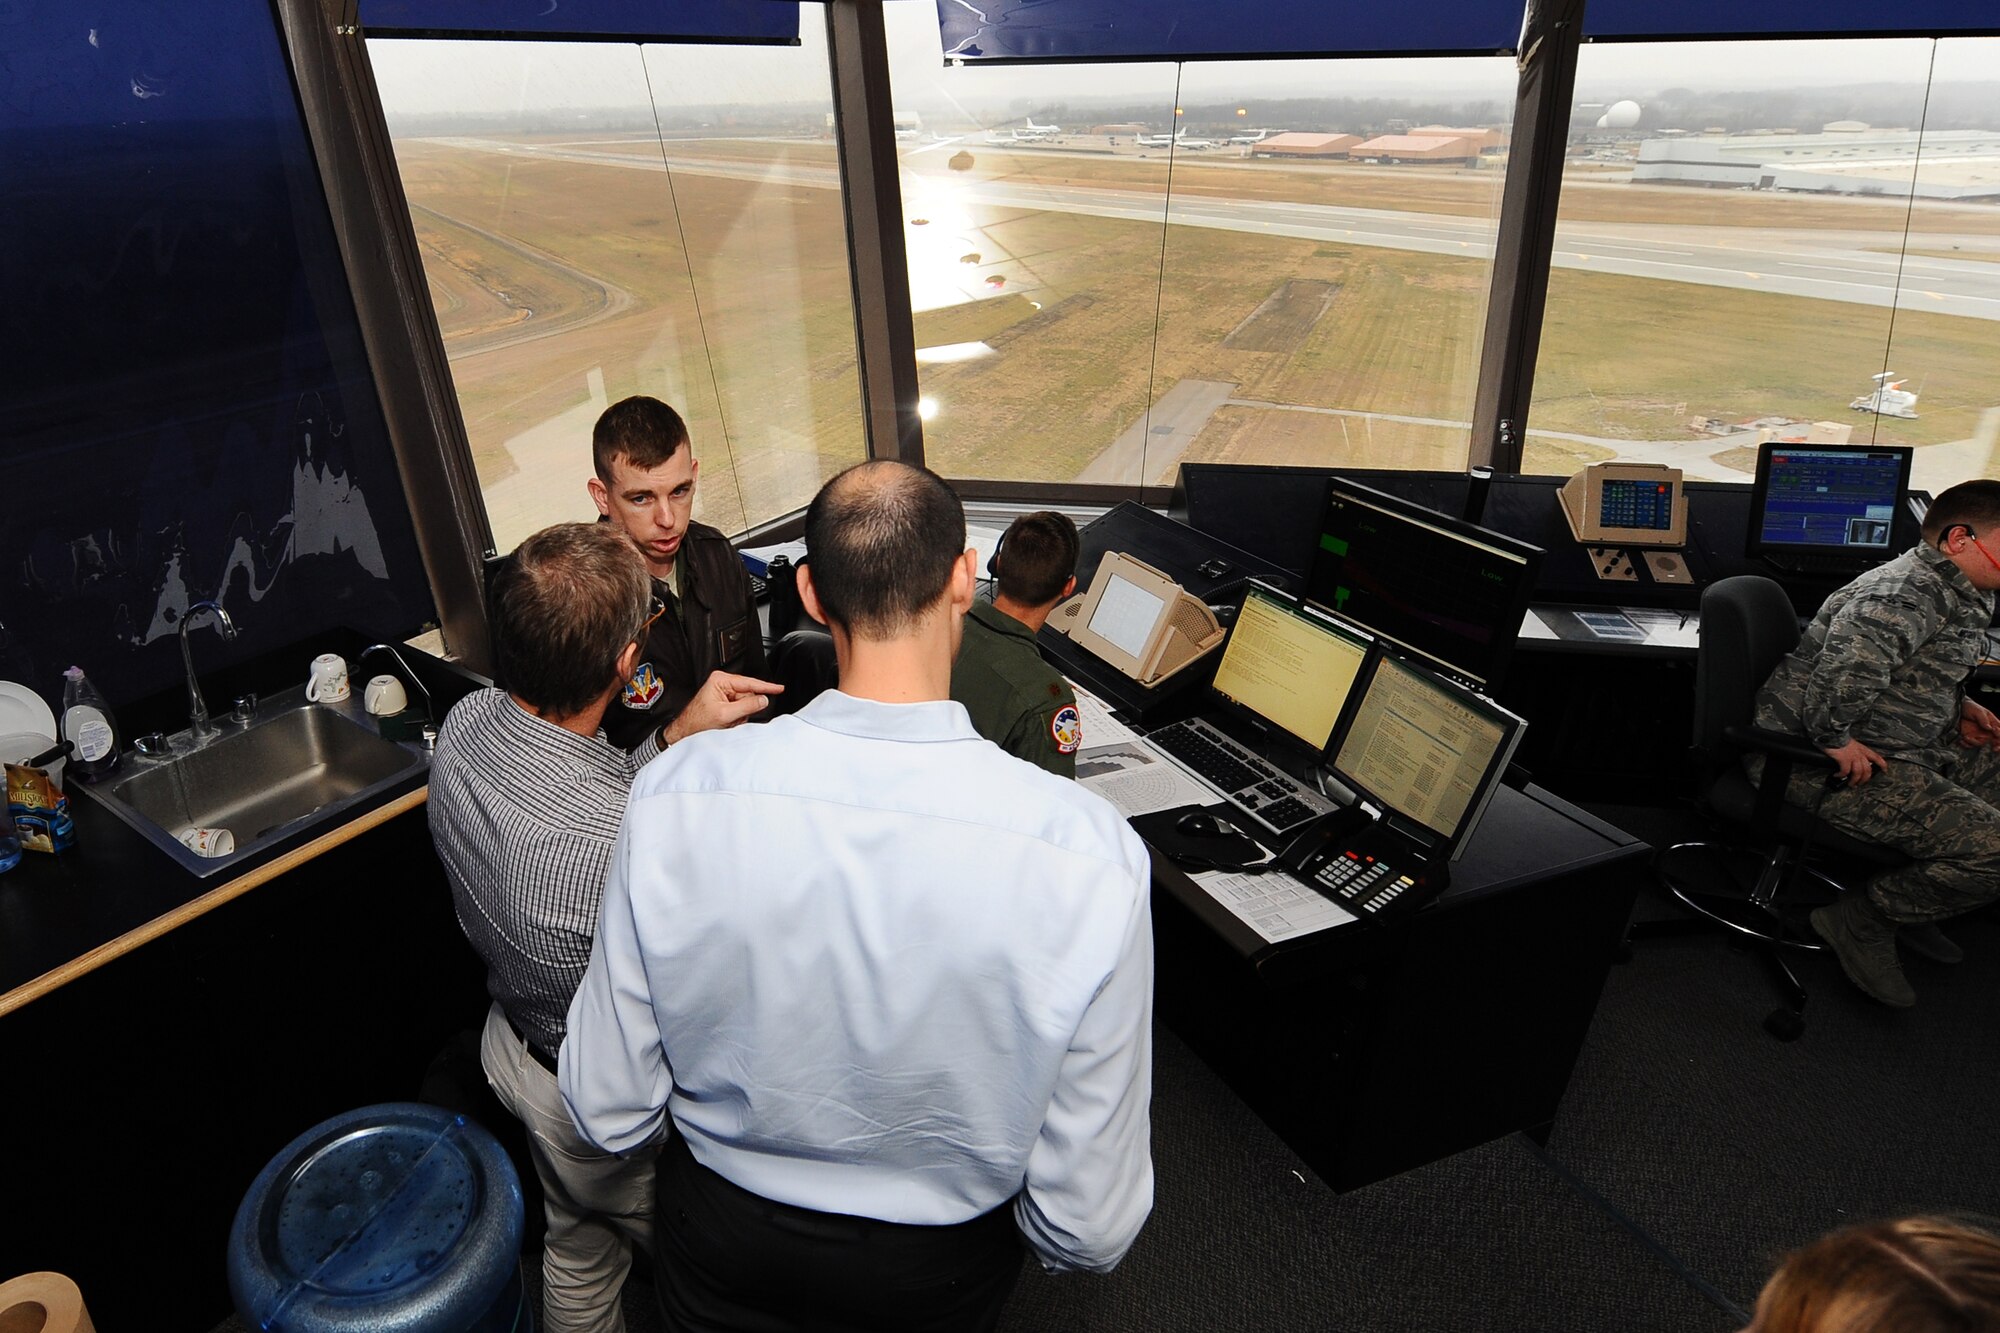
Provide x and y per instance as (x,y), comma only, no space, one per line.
(1017,700)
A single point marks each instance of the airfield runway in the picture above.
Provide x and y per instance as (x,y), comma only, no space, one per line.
(1827,266)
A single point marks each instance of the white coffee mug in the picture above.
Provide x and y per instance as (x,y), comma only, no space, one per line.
(327,682)
(385,696)
(209,841)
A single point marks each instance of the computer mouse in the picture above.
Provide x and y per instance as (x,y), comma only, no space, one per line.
(1202,824)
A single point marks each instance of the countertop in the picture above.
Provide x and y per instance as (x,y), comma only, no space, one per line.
(64,915)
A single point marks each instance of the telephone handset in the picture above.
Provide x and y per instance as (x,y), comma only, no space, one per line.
(1139,620)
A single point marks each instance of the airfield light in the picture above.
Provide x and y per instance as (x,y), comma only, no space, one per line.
(1179,112)
(1242,111)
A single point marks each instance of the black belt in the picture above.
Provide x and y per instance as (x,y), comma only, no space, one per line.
(547,1062)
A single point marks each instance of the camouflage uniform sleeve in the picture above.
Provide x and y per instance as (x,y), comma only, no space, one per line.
(1870,637)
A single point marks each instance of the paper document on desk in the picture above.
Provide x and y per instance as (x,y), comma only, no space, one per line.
(1099,726)
(1666,629)
(1137,779)
(758,558)
(1273,904)
(985,541)
(1534,627)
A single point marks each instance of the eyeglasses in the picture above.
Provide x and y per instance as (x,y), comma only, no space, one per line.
(659,608)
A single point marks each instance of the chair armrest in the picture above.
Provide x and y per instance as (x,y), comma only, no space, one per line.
(1778,743)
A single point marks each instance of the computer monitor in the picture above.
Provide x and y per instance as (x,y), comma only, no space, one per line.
(1827,499)
(1626,504)
(1288,668)
(1273,510)
(1448,591)
(1429,752)
(1138,620)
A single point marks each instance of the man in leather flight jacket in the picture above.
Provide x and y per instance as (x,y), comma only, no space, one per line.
(705,618)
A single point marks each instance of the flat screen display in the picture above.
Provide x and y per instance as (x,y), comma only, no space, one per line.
(1827,498)
(1125,616)
(1448,591)
(1420,746)
(1290,666)
(1632,502)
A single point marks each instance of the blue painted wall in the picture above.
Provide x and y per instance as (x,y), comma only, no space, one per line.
(185,407)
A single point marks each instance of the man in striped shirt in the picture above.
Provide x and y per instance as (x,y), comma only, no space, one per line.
(526,795)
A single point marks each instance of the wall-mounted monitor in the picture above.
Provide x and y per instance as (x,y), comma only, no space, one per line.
(1827,500)
(1445,591)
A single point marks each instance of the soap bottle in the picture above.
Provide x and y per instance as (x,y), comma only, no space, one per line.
(87,725)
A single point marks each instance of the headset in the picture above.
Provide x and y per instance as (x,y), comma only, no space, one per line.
(1073,541)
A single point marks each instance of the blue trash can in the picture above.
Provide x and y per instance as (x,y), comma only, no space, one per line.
(399,1218)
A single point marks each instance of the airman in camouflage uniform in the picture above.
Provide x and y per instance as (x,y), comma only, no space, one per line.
(1878,682)
(1015,698)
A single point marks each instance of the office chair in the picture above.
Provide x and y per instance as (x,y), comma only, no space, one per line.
(1747,627)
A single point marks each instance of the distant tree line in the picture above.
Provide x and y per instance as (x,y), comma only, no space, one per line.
(1952,106)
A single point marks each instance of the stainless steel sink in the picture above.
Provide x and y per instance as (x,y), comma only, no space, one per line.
(296,766)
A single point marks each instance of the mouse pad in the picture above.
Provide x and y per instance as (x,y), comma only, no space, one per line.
(1230,851)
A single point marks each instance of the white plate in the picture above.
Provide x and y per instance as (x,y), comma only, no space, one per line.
(21,709)
(20,746)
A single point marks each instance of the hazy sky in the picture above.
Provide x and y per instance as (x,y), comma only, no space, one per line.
(423,77)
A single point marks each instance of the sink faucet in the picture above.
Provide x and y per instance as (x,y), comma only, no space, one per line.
(199,727)
(430,714)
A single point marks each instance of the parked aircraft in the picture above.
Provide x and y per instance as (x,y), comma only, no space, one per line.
(1255,136)
(1178,139)
(1032,134)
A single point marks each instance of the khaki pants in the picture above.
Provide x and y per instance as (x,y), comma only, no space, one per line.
(598,1205)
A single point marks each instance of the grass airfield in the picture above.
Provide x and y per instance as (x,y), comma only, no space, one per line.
(562,284)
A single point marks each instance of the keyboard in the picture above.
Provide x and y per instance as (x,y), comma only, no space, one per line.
(1268,795)
(760,588)
(1828,565)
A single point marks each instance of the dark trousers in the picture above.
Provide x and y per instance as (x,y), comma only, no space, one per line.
(730,1260)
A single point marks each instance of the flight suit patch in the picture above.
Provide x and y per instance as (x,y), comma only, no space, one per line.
(644,689)
(1067,729)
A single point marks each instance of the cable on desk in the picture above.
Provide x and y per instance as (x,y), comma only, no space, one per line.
(1637,1232)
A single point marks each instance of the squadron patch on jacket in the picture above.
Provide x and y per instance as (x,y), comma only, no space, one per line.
(643,689)
(1067,728)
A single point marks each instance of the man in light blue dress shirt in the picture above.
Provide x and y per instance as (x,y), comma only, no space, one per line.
(888,988)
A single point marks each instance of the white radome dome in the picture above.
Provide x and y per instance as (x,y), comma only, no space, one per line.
(1619,116)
